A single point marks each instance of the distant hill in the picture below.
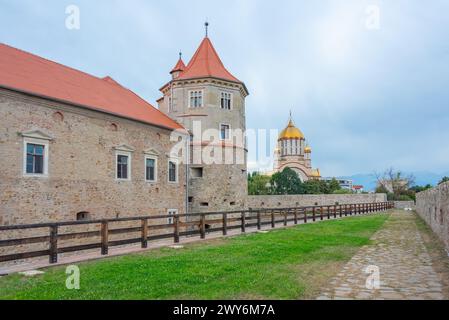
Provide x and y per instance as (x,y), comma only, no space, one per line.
(422,178)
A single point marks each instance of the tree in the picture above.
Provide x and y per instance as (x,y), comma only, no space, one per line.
(313,187)
(395,183)
(334,186)
(258,184)
(286,182)
(444,180)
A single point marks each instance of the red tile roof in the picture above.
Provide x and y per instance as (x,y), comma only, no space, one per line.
(31,74)
(180,66)
(206,63)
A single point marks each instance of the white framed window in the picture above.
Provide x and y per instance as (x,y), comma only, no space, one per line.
(226,100)
(35,157)
(150,168)
(123,165)
(196,99)
(171,213)
(123,160)
(225,131)
(173,171)
(36,146)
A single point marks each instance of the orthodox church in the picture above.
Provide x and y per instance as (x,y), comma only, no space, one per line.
(293,152)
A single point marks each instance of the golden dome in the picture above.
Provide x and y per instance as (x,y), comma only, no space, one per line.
(308,149)
(316,173)
(291,132)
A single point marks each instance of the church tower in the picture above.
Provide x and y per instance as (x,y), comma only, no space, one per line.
(293,152)
(210,102)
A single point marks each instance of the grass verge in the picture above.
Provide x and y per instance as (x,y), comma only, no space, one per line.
(291,263)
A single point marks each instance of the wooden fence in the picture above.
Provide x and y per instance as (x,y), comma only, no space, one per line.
(197,223)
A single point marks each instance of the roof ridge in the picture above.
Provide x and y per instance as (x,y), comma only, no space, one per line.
(51,61)
(30,73)
(65,66)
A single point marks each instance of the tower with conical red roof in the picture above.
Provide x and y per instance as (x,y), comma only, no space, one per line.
(210,102)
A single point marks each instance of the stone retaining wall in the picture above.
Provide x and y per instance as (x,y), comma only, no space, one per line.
(287,201)
(404,205)
(433,206)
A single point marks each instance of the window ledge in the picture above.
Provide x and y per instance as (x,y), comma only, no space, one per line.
(31,175)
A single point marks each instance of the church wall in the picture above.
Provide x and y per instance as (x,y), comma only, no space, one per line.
(290,201)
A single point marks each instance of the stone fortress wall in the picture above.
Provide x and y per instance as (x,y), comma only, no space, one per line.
(290,201)
(81,167)
(433,206)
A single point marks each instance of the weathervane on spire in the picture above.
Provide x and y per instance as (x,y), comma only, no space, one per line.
(206,25)
(180,54)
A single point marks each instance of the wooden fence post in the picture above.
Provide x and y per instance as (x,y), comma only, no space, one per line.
(144,233)
(305,215)
(203,226)
(176,228)
(225,224)
(104,237)
(243,221)
(53,244)
(321,213)
(341,210)
(314,214)
(259,220)
(328,213)
(273,221)
(296,215)
(286,217)
(335,211)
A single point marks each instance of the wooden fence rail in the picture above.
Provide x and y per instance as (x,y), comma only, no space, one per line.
(196,222)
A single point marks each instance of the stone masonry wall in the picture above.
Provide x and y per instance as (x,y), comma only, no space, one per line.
(404,204)
(81,165)
(433,206)
(287,201)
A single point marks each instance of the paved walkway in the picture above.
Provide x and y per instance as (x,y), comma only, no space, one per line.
(403,262)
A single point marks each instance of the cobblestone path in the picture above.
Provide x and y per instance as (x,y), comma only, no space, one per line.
(404,266)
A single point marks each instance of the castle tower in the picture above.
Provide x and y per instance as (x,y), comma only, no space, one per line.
(210,102)
(293,152)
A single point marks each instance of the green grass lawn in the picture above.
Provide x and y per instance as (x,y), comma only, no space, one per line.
(282,264)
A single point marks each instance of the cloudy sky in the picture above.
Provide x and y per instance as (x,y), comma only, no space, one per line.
(367,81)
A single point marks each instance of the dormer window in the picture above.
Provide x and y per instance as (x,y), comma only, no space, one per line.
(225,101)
(196,99)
